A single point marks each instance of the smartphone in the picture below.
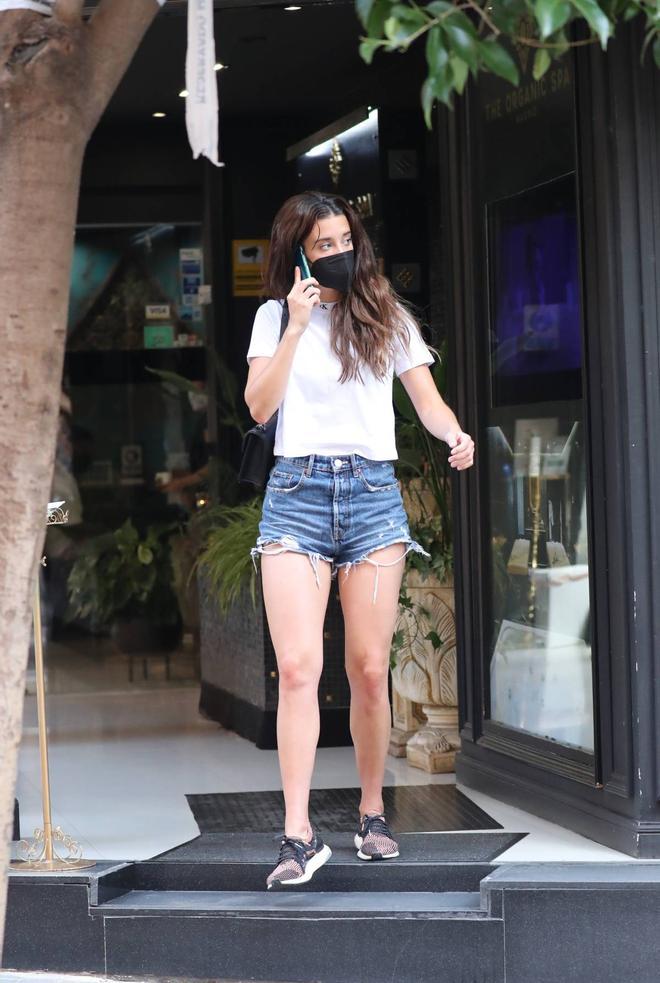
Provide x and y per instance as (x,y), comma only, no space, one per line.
(301,261)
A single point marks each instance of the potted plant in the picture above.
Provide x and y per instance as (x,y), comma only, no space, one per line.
(122,582)
(423,655)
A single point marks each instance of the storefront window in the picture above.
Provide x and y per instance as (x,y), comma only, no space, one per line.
(131,466)
(540,665)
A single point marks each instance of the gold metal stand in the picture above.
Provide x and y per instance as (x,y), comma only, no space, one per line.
(534,480)
(535,509)
(40,854)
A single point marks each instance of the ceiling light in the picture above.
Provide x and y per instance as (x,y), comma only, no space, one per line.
(159,115)
(293,8)
(326,147)
(183,93)
(219,66)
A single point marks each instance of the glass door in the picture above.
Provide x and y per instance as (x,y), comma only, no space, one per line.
(538,677)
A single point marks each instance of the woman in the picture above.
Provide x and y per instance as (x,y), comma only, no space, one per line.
(332,504)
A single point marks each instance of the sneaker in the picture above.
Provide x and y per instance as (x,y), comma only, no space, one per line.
(298,861)
(374,840)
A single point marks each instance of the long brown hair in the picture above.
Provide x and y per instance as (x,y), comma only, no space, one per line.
(370,317)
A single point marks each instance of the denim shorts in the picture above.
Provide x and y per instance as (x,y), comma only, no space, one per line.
(338,509)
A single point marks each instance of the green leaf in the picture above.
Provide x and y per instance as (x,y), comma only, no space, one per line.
(368,49)
(428,99)
(460,73)
(463,43)
(373,14)
(414,17)
(438,7)
(561,43)
(505,20)
(459,19)
(499,61)
(377,18)
(551,15)
(542,62)
(175,380)
(434,639)
(363,9)
(596,18)
(443,86)
(144,554)
(436,53)
(428,102)
(395,32)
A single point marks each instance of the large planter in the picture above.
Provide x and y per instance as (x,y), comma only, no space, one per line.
(135,635)
(424,677)
(239,682)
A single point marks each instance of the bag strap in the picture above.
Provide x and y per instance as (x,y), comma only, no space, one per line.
(285,317)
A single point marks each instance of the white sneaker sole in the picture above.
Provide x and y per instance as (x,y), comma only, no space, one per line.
(310,869)
(365,856)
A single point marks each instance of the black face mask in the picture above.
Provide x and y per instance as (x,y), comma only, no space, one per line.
(335,272)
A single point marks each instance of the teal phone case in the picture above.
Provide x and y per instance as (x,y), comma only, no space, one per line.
(301,261)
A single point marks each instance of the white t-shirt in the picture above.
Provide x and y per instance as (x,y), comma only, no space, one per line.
(320,415)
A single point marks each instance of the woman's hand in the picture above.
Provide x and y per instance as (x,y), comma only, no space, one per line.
(462,455)
(303,296)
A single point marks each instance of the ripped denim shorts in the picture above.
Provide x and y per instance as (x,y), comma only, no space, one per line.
(338,509)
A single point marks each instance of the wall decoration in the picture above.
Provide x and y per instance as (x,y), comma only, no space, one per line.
(402,165)
(157,312)
(407,277)
(190,272)
(248,259)
(158,336)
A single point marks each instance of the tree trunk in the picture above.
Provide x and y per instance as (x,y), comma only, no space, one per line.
(56,76)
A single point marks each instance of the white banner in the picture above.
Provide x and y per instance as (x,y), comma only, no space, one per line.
(41,6)
(201,82)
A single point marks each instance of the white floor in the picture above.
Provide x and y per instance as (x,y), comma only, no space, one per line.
(10,976)
(121,762)
(14,976)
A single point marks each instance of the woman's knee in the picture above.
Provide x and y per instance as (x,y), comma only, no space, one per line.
(298,669)
(368,674)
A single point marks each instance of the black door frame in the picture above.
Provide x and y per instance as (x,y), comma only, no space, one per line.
(612,796)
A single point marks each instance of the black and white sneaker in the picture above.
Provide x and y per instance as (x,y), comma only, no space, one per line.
(298,861)
(374,840)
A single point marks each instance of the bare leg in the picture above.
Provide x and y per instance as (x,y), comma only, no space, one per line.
(295,608)
(368,631)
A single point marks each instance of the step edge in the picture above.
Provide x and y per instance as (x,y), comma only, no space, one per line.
(461,902)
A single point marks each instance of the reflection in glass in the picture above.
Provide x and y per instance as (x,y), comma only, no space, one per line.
(540,643)
(540,668)
(119,608)
(536,344)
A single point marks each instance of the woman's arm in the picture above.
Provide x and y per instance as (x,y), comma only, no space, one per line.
(268,375)
(436,416)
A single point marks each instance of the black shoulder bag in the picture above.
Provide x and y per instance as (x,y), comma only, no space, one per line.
(258,443)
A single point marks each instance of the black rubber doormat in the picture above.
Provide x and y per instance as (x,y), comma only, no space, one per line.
(409,809)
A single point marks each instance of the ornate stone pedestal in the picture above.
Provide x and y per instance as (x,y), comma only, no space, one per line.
(433,746)
(425,674)
(404,724)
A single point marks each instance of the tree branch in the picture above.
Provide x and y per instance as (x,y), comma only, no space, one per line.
(115,31)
